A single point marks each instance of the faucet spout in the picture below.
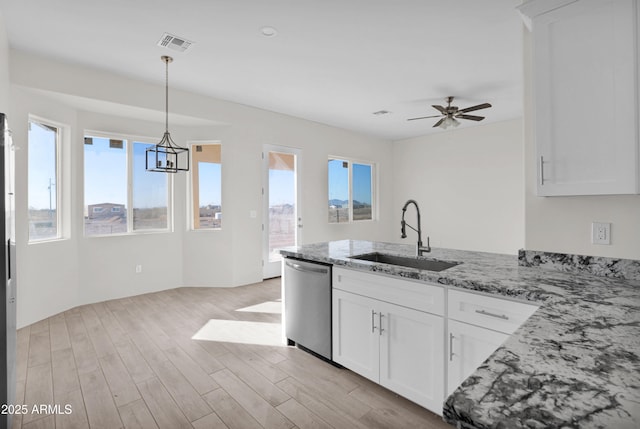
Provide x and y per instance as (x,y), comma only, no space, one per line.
(419,248)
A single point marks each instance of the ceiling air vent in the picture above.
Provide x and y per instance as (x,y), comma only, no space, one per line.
(175,43)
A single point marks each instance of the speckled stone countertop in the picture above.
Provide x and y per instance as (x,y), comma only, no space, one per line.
(575,363)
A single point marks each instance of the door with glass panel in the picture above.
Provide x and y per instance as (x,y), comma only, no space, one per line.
(282,218)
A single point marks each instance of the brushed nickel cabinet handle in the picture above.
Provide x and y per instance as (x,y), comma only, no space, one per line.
(541,170)
(486,313)
(451,337)
(380,322)
(373,323)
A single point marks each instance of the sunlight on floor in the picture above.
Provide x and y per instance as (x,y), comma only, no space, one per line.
(273,307)
(242,332)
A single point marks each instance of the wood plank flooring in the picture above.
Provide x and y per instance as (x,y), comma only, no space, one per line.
(132,363)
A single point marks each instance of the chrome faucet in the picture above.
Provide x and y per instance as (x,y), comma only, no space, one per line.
(419,248)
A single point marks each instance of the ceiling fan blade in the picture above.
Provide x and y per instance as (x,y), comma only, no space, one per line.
(440,109)
(470,117)
(439,122)
(424,117)
(472,108)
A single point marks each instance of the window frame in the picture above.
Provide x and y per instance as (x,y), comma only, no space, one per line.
(190,200)
(129,140)
(61,131)
(374,188)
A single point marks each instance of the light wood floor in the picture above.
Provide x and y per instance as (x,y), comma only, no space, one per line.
(132,363)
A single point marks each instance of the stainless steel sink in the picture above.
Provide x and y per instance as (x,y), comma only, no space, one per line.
(406,261)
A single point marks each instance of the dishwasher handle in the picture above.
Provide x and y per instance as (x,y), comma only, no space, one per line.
(307,269)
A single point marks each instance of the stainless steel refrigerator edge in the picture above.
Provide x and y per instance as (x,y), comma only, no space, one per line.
(307,305)
(8,255)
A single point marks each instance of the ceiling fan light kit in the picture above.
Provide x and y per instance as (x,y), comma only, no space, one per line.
(449,115)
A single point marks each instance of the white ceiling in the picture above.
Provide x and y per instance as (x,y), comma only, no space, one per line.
(332,61)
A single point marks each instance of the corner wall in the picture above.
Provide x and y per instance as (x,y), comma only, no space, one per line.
(563,224)
(468,183)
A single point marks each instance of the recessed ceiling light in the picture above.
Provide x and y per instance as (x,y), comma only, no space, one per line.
(381,112)
(268,31)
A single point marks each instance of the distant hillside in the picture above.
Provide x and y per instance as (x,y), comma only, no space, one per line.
(339,203)
(345,203)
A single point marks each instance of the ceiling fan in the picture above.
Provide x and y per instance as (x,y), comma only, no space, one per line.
(449,115)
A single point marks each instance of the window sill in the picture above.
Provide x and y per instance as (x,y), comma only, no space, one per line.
(130,234)
(47,240)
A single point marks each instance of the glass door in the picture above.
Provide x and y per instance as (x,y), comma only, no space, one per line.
(282,216)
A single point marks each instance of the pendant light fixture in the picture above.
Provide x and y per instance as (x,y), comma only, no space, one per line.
(167,156)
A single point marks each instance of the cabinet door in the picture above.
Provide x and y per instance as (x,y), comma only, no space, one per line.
(468,347)
(412,355)
(355,333)
(585,90)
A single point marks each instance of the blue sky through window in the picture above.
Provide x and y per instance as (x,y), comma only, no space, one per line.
(105,173)
(338,180)
(149,188)
(210,176)
(281,187)
(362,183)
(42,167)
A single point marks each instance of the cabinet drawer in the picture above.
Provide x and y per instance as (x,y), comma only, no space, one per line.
(419,296)
(488,312)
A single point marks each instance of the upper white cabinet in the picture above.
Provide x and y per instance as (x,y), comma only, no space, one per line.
(585,77)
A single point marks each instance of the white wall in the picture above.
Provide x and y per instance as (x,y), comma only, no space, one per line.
(563,224)
(4,67)
(48,274)
(59,275)
(468,183)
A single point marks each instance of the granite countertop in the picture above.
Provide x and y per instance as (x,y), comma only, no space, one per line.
(575,363)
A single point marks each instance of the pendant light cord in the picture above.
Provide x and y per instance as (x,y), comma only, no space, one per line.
(166,94)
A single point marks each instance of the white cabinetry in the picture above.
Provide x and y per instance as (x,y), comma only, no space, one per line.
(476,327)
(585,77)
(386,336)
(392,331)
(469,346)
(356,343)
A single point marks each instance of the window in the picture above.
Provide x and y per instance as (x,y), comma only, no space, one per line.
(120,195)
(350,191)
(43,181)
(150,193)
(206,186)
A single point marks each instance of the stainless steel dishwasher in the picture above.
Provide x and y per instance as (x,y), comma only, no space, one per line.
(307,305)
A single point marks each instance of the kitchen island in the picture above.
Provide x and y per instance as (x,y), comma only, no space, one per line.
(574,363)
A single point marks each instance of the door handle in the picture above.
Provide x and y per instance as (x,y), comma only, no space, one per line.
(9,259)
(380,322)
(541,170)
(304,269)
(373,323)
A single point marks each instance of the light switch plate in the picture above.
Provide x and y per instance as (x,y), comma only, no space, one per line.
(601,233)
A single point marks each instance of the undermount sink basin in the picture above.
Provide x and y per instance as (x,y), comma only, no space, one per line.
(406,261)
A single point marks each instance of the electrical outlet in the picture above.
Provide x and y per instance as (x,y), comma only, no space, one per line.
(138,269)
(601,233)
